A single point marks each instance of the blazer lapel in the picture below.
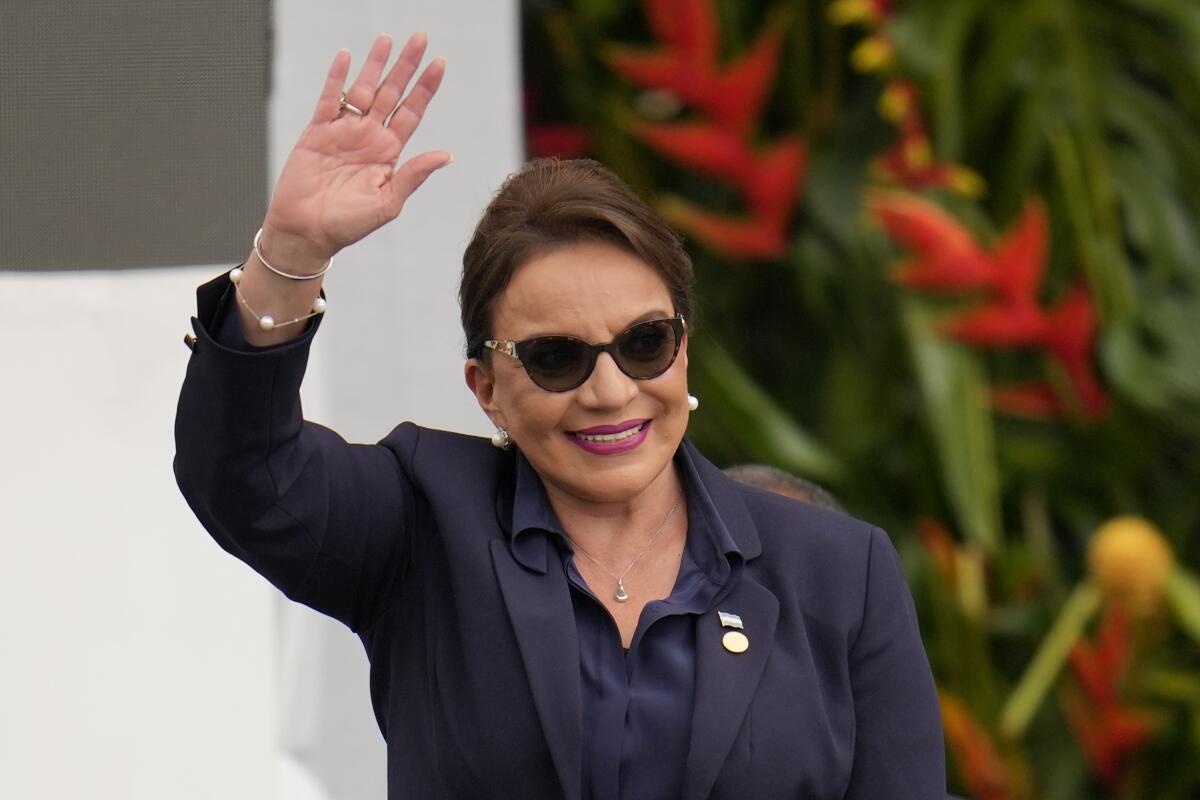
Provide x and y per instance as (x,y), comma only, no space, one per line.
(539,605)
(726,681)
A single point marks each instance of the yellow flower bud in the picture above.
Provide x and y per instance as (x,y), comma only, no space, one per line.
(873,54)
(917,153)
(1130,561)
(848,12)
(896,102)
(966,182)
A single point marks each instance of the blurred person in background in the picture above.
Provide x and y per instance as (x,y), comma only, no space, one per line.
(785,483)
(583,606)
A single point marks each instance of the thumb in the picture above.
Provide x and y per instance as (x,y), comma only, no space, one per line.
(412,174)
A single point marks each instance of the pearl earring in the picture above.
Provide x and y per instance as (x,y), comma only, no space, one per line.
(693,402)
(501,439)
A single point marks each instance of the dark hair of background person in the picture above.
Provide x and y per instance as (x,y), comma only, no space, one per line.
(551,203)
(784,483)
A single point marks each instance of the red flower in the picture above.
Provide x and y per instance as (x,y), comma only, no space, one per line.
(564,140)
(700,146)
(737,237)
(732,98)
(999,325)
(773,184)
(947,259)
(660,70)
(1036,400)
(687,26)
(1070,338)
(946,256)
(910,163)
(733,95)
(984,773)
(740,91)
(1108,731)
(1019,261)
(942,549)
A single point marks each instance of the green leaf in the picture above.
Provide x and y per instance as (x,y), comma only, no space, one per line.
(1183,595)
(763,427)
(957,413)
(1047,662)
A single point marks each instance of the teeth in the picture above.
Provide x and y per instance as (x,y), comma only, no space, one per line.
(611,437)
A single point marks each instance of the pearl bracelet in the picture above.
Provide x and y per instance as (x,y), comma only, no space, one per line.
(258,252)
(266,321)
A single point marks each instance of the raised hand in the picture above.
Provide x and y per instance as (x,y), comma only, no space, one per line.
(344,178)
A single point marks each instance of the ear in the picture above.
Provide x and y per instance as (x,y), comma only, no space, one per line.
(482,383)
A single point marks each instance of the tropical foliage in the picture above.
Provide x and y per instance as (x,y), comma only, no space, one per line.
(949,266)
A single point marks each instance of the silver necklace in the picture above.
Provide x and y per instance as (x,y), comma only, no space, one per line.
(620,595)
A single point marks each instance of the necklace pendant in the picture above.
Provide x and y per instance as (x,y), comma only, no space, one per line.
(621,595)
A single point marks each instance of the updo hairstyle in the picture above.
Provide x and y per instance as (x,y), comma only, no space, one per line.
(552,203)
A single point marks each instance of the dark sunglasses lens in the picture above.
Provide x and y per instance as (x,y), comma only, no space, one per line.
(556,363)
(648,349)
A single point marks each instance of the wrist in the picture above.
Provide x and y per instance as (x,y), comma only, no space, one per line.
(293,253)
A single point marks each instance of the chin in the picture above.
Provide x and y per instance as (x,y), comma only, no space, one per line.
(621,479)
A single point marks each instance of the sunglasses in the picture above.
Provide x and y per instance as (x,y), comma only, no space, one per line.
(561,363)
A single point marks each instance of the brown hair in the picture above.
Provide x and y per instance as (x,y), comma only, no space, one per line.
(551,203)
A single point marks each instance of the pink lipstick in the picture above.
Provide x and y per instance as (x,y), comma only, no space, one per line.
(604,440)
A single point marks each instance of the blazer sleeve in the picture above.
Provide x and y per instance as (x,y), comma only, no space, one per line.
(898,748)
(325,521)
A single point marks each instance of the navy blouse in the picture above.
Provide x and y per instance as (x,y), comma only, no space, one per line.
(637,704)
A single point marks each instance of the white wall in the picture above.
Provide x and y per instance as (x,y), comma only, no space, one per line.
(137,659)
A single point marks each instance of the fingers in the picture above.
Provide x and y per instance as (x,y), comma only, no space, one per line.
(331,92)
(409,114)
(362,93)
(393,86)
(412,174)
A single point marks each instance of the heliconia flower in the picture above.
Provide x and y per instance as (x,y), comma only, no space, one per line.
(1098,668)
(742,88)
(1107,730)
(946,257)
(1020,257)
(940,544)
(873,54)
(563,140)
(910,164)
(1035,400)
(773,184)
(688,26)
(984,773)
(1071,339)
(653,69)
(870,12)
(732,99)
(703,147)
(1109,738)
(999,325)
(738,237)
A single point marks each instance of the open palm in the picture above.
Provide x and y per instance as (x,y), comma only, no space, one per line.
(341,181)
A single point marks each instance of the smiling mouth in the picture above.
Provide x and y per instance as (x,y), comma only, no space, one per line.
(611,437)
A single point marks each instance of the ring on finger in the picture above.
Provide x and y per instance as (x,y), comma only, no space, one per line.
(353,109)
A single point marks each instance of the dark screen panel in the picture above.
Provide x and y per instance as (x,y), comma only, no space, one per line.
(132,133)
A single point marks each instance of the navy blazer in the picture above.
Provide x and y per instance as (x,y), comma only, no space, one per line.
(474,661)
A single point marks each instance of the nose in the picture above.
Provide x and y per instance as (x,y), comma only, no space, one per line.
(607,388)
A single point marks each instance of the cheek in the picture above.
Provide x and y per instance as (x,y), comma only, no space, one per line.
(532,413)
